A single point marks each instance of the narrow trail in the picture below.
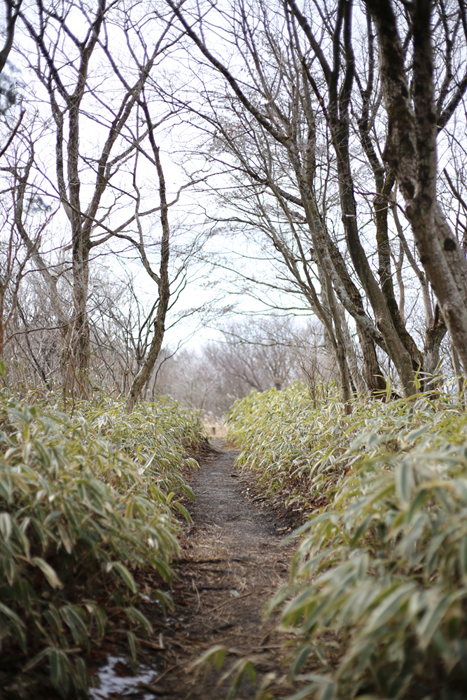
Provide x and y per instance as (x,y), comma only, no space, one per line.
(232,563)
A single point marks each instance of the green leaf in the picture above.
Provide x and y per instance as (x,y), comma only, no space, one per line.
(137,616)
(74,618)
(433,617)
(301,659)
(6,526)
(251,672)
(127,578)
(392,602)
(13,616)
(44,654)
(48,572)
(82,675)
(414,434)
(404,481)
(132,644)
(214,655)
(60,669)
(99,615)
(183,511)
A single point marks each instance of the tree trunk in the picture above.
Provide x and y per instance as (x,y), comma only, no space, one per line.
(337,116)
(162,280)
(372,372)
(153,353)
(358,380)
(395,347)
(341,349)
(411,153)
(81,346)
(434,335)
(458,372)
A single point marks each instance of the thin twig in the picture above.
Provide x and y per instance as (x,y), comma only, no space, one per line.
(233,600)
(197,593)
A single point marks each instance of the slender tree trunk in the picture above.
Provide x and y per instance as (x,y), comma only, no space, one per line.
(346,289)
(337,116)
(433,337)
(381,206)
(80,332)
(372,372)
(11,15)
(458,372)
(384,321)
(153,353)
(163,283)
(352,362)
(2,323)
(341,349)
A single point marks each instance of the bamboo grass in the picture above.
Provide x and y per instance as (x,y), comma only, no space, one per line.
(377,596)
(84,502)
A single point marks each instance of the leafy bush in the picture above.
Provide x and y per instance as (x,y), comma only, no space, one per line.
(381,567)
(84,501)
(296,448)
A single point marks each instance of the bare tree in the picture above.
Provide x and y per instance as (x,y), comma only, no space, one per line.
(415,117)
(88,180)
(299,69)
(299,144)
(253,354)
(13,261)
(261,352)
(22,198)
(161,278)
(277,157)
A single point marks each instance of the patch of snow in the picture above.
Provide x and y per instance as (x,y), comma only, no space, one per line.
(111,681)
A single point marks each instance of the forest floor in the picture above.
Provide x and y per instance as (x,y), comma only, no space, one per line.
(232,562)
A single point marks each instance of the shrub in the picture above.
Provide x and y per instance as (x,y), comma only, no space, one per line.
(295,448)
(381,567)
(84,501)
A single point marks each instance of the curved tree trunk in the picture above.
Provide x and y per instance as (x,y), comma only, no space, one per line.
(433,337)
(411,153)
(162,280)
(151,357)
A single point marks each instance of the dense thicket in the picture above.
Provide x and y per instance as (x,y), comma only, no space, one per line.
(377,597)
(85,503)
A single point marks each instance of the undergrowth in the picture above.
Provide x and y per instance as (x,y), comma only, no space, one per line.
(85,501)
(378,589)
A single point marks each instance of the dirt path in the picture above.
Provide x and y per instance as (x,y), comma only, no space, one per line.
(232,564)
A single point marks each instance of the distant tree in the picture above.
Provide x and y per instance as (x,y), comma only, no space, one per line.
(22,199)
(257,353)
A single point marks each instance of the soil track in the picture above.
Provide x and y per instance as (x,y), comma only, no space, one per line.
(232,565)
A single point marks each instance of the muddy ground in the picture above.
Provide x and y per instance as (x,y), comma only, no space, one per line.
(232,563)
